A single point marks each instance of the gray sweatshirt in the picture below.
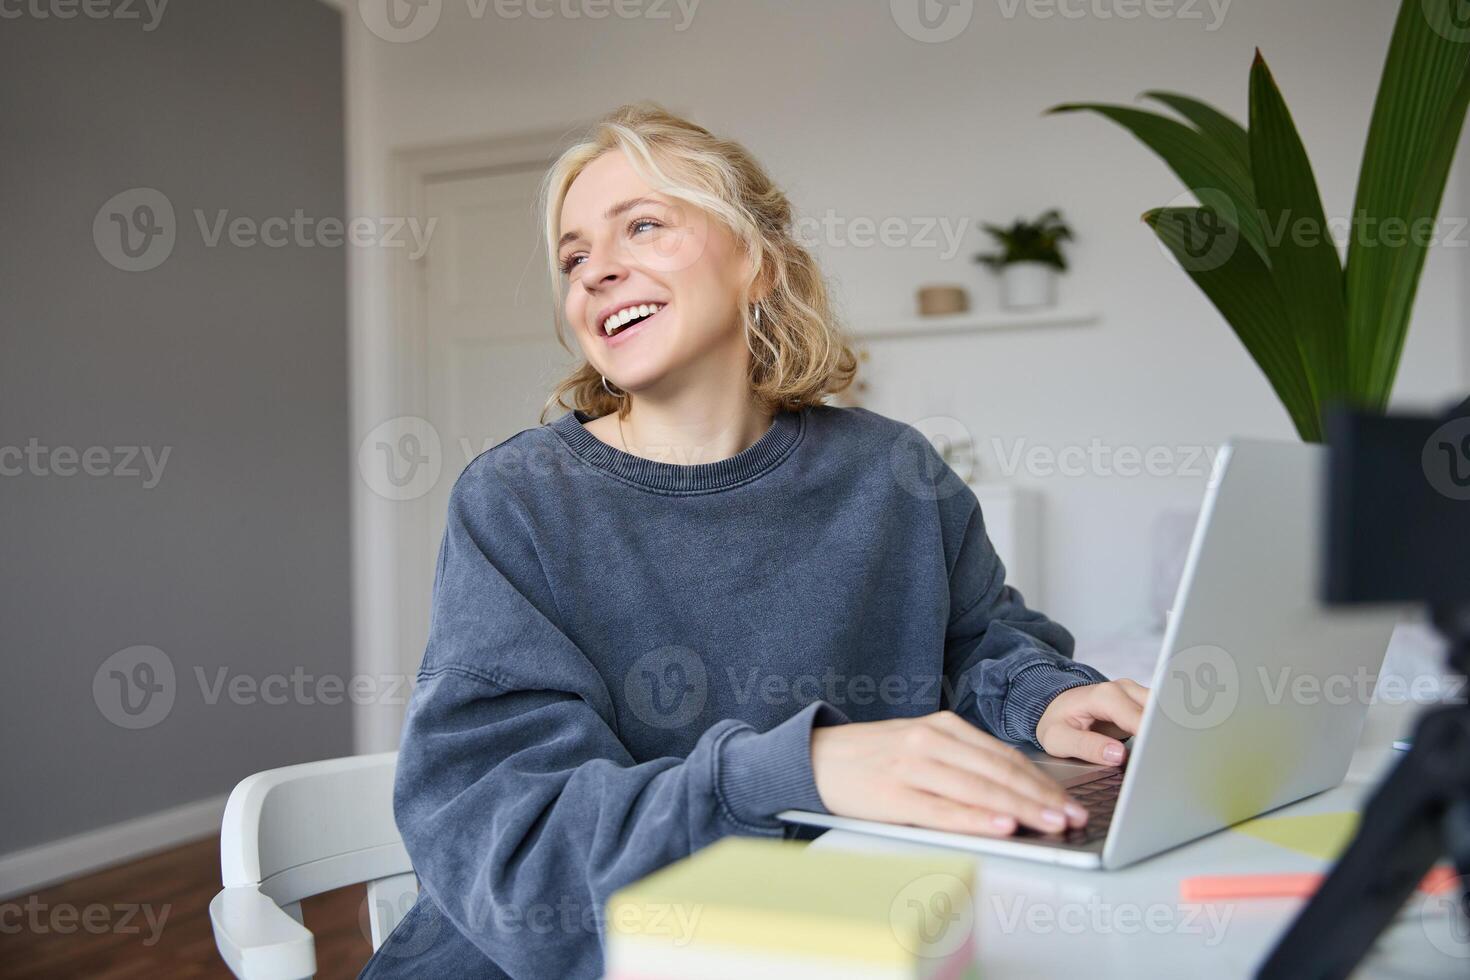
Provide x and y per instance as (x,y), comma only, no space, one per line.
(626,659)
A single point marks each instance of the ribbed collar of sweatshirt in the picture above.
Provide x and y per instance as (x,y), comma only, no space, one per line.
(785,433)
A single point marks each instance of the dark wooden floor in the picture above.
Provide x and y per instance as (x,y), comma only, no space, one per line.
(61,937)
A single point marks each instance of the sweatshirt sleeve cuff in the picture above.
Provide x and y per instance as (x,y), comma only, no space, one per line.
(1033,688)
(762,773)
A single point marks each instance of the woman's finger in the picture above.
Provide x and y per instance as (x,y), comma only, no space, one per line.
(1111,730)
(1134,690)
(1003,764)
(953,724)
(921,809)
(1067,742)
(1110,703)
(1017,770)
(965,787)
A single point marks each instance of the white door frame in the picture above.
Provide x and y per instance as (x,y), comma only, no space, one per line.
(399,388)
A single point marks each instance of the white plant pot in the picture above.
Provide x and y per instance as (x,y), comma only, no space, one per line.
(1028,286)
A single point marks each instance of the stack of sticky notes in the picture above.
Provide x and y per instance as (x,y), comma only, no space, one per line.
(772,909)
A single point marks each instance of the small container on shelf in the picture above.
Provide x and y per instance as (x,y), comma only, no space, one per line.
(943,300)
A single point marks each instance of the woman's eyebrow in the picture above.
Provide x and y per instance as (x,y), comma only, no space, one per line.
(622,207)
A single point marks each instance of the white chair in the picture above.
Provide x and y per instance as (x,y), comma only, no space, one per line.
(299,831)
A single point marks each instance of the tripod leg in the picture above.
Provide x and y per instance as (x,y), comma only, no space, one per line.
(1457,842)
(1398,841)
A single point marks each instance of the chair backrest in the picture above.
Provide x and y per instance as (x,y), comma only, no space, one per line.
(300,831)
(303,830)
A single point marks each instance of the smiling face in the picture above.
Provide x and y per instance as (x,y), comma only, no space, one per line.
(624,245)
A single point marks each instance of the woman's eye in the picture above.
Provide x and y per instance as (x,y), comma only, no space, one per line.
(635,227)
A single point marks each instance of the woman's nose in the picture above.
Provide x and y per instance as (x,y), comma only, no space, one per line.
(603,267)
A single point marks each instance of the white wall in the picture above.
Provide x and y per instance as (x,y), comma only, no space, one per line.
(855,117)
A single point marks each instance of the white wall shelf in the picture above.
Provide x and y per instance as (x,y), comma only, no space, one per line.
(960,323)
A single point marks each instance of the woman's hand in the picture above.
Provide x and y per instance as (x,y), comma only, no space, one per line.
(1086,722)
(938,771)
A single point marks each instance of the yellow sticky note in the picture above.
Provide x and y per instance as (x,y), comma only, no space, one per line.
(1319,835)
(783,898)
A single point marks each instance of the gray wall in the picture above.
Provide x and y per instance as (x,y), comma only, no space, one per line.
(232,359)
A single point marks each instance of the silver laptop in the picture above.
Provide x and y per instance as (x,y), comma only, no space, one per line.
(1259,695)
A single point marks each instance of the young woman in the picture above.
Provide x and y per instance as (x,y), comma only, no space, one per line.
(702,596)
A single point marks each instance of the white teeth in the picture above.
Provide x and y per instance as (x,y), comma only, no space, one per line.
(621,317)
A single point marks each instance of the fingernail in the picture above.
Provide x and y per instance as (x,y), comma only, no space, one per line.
(1053,817)
(1113,753)
(1075,811)
(1005,824)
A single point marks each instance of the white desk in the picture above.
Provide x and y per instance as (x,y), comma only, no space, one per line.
(1038,920)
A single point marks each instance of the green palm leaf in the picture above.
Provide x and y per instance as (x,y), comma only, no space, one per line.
(1216,179)
(1416,124)
(1220,129)
(1241,287)
(1302,255)
(1320,331)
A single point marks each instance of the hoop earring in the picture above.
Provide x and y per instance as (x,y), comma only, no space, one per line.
(615,394)
(757,314)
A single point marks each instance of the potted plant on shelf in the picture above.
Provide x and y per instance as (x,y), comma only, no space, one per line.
(1029,259)
(1323,330)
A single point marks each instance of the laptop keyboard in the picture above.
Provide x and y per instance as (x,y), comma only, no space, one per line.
(1099,797)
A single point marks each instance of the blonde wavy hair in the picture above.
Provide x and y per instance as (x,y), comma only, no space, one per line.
(799,353)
